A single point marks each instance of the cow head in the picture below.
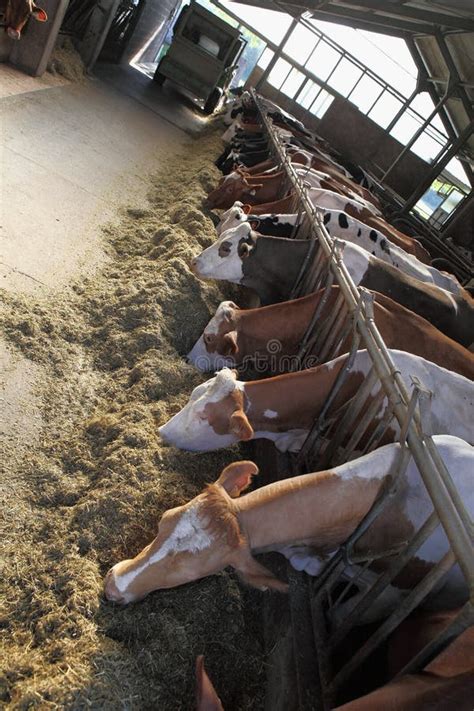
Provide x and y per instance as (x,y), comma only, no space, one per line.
(223,259)
(17,14)
(235,188)
(217,347)
(233,217)
(198,539)
(213,418)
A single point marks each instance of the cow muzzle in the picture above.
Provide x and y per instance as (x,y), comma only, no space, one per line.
(13,34)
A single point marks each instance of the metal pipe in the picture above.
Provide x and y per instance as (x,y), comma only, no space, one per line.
(412,600)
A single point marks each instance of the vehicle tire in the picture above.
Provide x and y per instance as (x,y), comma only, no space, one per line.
(159,78)
(212,101)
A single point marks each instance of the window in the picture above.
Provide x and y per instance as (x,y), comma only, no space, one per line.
(365,94)
(279,73)
(322,103)
(300,44)
(323,60)
(270,23)
(426,147)
(308,94)
(292,83)
(385,109)
(345,77)
(265,58)
(406,127)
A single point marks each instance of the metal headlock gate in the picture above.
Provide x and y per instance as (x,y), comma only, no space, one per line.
(321,616)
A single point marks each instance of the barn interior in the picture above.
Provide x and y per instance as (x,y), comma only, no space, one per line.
(104,173)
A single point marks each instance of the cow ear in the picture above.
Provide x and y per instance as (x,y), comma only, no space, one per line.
(240,426)
(246,208)
(206,696)
(39,14)
(237,477)
(230,344)
(257,575)
(244,250)
(254,224)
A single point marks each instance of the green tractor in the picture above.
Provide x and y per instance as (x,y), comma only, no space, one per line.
(203,55)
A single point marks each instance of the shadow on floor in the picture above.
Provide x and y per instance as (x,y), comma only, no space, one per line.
(168,103)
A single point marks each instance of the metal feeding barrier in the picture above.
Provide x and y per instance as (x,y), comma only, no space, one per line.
(323,614)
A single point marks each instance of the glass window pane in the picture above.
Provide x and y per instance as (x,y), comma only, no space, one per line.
(300,44)
(345,77)
(308,94)
(270,23)
(265,58)
(292,83)
(323,60)
(426,147)
(279,73)
(322,103)
(365,93)
(385,109)
(405,128)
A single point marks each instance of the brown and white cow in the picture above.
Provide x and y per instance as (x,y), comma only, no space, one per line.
(270,336)
(343,226)
(446,683)
(223,410)
(14,14)
(218,529)
(270,266)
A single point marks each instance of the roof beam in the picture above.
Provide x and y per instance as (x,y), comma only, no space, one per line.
(338,13)
(454,74)
(404,12)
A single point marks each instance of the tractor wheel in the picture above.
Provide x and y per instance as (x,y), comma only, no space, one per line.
(212,101)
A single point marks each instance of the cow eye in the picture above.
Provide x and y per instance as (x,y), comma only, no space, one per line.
(207,338)
(225,248)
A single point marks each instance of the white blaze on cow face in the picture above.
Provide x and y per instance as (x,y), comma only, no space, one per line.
(233,217)
(190,428)
(184,550)
(213,351)
(223,259)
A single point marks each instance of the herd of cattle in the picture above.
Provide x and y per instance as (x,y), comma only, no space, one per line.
(425,317)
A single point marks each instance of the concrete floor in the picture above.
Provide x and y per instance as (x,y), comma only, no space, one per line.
(71,155)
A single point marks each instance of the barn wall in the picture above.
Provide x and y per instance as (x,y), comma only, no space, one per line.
(31,53)
(153,18)
(356,137)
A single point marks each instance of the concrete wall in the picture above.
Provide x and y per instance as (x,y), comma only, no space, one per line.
(31,53)
(94,37)
(356,137)
(153,18)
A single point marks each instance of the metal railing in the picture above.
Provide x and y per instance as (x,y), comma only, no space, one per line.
(353,314)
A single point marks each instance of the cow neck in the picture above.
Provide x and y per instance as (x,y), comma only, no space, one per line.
(286,322)
(273,267)
(320,509)
(295,398)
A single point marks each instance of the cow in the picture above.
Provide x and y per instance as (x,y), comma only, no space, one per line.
(270,336)
(270,266)
(16,14)
(223,410)
(251,188)
(339,224)
(218,529)
(446,683)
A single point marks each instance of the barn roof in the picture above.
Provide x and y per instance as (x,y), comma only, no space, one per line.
(440,36)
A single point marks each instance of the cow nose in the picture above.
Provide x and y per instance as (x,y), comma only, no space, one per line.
(13,34)
(111,591)
(195,265)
